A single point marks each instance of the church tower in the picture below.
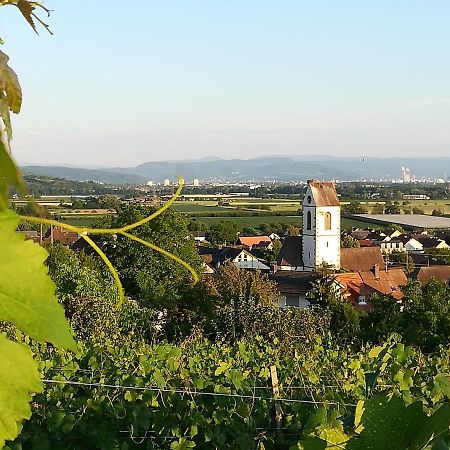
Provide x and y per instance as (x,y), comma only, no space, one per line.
(321,238)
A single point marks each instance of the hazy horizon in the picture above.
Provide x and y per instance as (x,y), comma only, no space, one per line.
(120,86)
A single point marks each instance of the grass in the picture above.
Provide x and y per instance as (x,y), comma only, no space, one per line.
(81,220)
(295,220)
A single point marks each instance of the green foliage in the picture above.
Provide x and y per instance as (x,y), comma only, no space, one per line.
(148,276)
(422,318)
(349,242)
(224,232)
(219,396)
(79,274)
(426,315)
(403,258)
(378,208)
(354,207)
(440,255)
(27,295)
(19,379)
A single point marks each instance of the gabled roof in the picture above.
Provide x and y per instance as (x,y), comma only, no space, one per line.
(366,282)
(362,258)
(249,241)
(291,252)
(428,241)
(216,257)
(324,193)
(360,234)
(440,273)
(290,282)
(388,282)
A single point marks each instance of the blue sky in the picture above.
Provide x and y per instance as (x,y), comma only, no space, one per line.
(120,83)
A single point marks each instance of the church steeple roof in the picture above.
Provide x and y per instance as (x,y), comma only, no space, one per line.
(324,193)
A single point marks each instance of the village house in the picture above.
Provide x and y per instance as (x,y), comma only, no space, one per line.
(357,287)
(438,273)
(57,234)
(240,257)
(251,242)
(199,236)
(429,242)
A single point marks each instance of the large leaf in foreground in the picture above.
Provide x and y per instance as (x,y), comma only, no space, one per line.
(19,377)
(27,294)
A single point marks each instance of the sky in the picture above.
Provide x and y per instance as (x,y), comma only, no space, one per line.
(120,83)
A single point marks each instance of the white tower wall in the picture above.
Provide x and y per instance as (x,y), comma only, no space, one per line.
(321,233)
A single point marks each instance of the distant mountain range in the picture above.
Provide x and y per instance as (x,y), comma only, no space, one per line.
(283,168)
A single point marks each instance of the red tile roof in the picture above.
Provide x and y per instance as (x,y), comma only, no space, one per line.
(368,282)
(249,241)
(363,258)
(440,273)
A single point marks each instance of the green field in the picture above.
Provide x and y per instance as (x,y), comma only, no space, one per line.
(296,220)
(194,207)
(81,220)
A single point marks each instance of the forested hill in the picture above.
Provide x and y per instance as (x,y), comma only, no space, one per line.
(42,185)
(294,168)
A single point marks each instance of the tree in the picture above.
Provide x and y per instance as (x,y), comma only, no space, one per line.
(417,210)
(378,208)
(224,232)
(403,258)
(197,225)
(426,314)
(349,242)
(383,318)
(325,297)
(153,279)
(440,255)
(79,274)
(390,208)
(241,301)
(354,207)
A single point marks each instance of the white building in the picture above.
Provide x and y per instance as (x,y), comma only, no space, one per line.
(196,183)
(166,182)
(321,238)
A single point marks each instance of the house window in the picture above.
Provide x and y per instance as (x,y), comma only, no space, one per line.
(308,220)
(309,199)
(327,221)
(362,300)
(327,244)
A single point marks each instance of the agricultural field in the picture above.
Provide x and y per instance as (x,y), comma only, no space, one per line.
(295,220)
(427,206)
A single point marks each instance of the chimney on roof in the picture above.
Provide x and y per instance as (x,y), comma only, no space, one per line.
(376,270)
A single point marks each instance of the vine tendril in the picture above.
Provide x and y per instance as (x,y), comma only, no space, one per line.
(84,232)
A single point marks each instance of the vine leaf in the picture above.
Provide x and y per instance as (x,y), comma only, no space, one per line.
(27,294)
(9,175)
(19,377)
(9,85)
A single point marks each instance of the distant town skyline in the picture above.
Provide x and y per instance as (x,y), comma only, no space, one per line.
(121,85)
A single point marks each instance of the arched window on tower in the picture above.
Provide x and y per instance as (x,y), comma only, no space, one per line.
(308,220)
(327,221)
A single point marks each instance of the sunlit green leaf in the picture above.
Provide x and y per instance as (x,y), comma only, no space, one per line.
(19,377)
(27,294)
